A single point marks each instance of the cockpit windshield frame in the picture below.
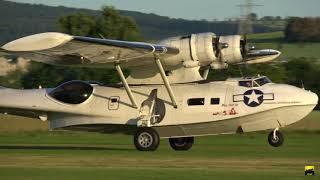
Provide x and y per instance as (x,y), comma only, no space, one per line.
(262,80)
(257,82)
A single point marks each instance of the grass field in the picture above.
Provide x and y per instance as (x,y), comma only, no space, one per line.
(289,50)
(31,153)
(38,155)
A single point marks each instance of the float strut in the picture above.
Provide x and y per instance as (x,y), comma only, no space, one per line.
(126,86)
(166,82)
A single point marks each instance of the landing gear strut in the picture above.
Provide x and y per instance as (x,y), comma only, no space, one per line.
(275,138)
(146,139)
(181,144)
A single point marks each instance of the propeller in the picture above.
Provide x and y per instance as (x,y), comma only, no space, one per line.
(217,49)
(218,46)
(244,51)
(243,45)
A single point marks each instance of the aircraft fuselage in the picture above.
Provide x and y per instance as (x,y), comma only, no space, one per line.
(222,107)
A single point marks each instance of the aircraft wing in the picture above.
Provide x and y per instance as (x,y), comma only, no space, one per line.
(62,49)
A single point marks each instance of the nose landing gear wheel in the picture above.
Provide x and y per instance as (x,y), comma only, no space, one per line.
(181,144)
(146,139)
(275,139)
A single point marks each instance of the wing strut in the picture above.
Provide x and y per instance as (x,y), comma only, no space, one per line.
(166,82)
(126,86)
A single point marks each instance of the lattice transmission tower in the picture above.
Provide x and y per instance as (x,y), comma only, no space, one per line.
(245,21)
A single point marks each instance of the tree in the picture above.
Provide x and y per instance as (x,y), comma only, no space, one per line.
(110,24)
(115,26)
(253,16)
(78,24)
(51,76)
(303,29)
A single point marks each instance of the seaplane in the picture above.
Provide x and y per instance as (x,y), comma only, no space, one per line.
(166,95)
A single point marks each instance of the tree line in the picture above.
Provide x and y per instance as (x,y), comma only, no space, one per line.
(18,20)
(303,29)
(110,24)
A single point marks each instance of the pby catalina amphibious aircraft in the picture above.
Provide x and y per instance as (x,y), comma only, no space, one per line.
(165,95)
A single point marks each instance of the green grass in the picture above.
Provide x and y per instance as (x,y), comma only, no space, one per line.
(30,154)
(293,50)
(64,155)
(289,50)
(266,36)
(145,173)
(138,174)
(72,155)
(309,123)
(9,123)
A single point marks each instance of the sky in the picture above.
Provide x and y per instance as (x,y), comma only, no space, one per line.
(196,9)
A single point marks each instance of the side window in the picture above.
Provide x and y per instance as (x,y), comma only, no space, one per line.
(114,103)
(245,84)
(215,101)
(196,101)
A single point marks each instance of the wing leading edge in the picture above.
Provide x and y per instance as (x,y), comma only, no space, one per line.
(62,49)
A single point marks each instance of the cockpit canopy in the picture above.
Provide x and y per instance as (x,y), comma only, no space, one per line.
(73,92)
(254,82)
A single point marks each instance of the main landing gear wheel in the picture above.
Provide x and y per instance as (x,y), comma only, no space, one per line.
(181,144)
(275,138)
(146,139)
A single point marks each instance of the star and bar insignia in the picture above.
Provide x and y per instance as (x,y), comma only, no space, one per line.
(253,97)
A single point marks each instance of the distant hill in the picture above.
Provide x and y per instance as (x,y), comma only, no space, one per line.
(18,19)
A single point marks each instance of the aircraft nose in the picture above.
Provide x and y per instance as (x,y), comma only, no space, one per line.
(311,98)
(289,93)
(307,97)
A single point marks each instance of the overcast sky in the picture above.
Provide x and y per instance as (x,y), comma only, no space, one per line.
(196,9)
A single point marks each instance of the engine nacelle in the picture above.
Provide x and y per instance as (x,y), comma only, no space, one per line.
(204,49)
(234,53)
(194,49)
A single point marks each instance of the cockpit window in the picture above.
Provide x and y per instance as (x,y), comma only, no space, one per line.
(255,83)
(74,92)
(262,81)
(246,83)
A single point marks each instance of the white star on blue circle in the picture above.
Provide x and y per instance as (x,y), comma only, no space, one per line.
(253,97)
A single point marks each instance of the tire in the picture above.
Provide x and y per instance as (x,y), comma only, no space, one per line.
(276,142)
(181,144)
(146,139)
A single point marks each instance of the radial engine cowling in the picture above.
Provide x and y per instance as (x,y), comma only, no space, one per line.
(234,52)
(195,49)
(205,49)
(208,49)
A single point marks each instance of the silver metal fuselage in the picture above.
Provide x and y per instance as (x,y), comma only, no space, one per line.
(235,108)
